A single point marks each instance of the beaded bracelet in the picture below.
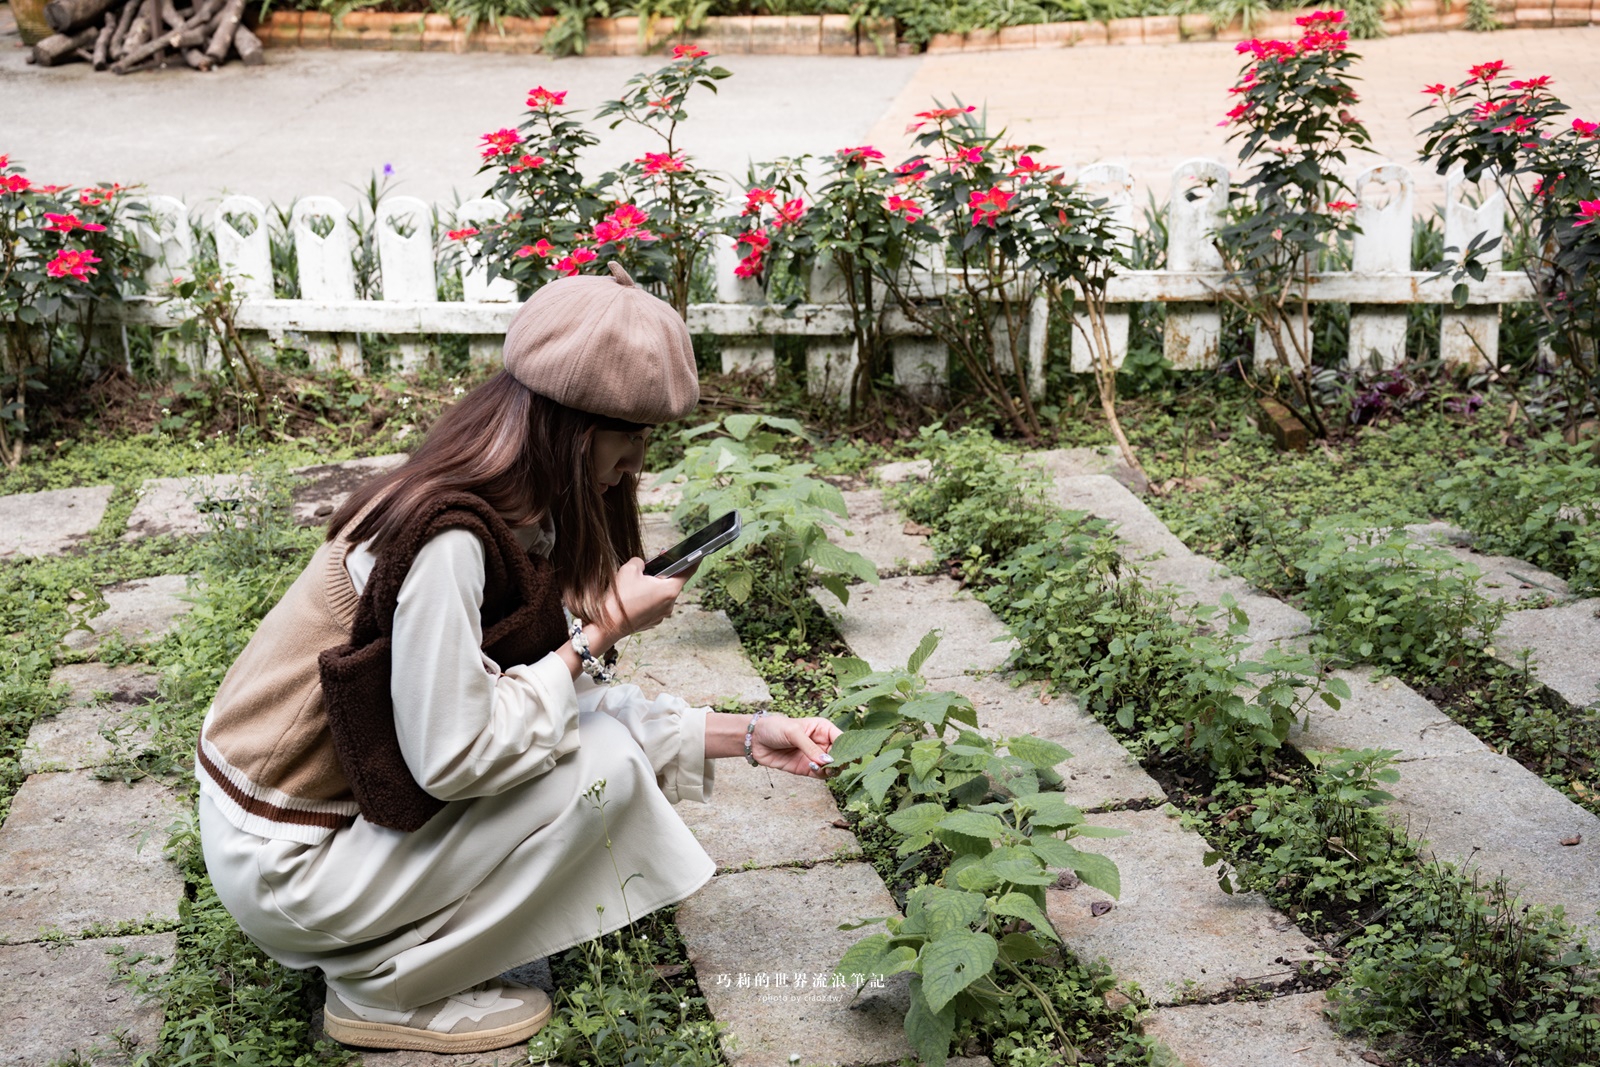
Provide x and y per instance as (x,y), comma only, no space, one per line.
(594,668)
(749,734)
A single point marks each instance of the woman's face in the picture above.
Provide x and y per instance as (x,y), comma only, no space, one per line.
(617,452)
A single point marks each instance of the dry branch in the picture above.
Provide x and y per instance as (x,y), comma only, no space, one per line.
(59,47)
(222,39)
(102,42)
(70,16)
(178,39)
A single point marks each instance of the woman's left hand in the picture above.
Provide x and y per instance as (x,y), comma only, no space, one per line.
(799,746)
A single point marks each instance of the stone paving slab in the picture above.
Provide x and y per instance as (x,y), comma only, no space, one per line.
(878,531)
(1077,462)
(73,739)
(65,838)
(1503,578)
(167,505)
(883,624)
(1488,810)
(787,923)
(323,488)
(1289,1031)
(1173,925)
(1384,713)
(141,611)
(760,817)
(904,471)
(61,999)
(1566,647)
(1100,772)
(51,522)
(654,493)
(694,654)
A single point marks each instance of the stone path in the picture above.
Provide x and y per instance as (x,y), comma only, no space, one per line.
(1471,804)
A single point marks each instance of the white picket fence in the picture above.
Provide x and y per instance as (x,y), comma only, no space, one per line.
(328,318)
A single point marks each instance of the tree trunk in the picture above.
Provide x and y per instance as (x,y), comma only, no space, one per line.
(124,23)
(102,42)
(59,48)
(70,16)
(177,39)
(196,59)
(222,40)
(248,45)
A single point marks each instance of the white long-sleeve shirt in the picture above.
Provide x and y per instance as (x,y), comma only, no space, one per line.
(467,728)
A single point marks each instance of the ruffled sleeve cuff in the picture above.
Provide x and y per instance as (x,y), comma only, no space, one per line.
(671,733)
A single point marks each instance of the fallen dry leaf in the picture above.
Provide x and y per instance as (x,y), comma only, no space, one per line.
(916,529)
(1575,839)
(1099,908)
(1067,880)
(841,824)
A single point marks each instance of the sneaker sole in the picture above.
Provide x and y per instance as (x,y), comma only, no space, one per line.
(360,1033)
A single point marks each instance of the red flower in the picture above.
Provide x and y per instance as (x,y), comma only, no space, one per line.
(1263,50)
(1519,125)
(1541,189)
(1587,131)
(749,267)
(861,154)
(571,264)
(971,155)
(1026,166)
(1318,17)
(68,223)
(540,97)
(14,183)
(661,163)
(1588,211)
(912,170)
(542,248)
(789,211)
(92,197)
(524,252)
(1437,90)
(1341,205)
(1324,41)
(526,163)
(73,262)
(1530,83)
(909,208)
(756,239)
(756,197)
(629,215)
(1236,113)
(1488,109)
(5,161)
(664,103)
(987,206)
(688,51)
(1487,72)
(500,143)
(463,233)
(937,115)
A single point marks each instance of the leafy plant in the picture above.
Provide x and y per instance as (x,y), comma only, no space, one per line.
(992,821)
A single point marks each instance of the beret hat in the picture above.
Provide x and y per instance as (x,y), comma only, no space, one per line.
(599,343)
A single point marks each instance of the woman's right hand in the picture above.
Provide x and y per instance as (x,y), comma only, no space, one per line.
(637,602)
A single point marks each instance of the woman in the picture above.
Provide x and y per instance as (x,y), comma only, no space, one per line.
(411,777)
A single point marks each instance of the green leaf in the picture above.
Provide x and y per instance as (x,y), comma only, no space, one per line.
(925,648)
(929,707)
(847,670)
(741,425)
(1050,811)
(1020,947)
(857,744)
(925,756)
(917,819)
(974,824)
(830,557)
(835,585)
(954,961)
(878,783)
(944,910)
(1037,751)
(1021,906)
(874,955)
(929,1032)
(738,585)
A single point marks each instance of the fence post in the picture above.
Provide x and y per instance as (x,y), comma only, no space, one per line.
(1194,332)
(163,235)
(476,288)
(1378,331)
(1470,337)
(405,263)
(748,354)
(1115,185)
(326,274)
(830,361)
(245,256)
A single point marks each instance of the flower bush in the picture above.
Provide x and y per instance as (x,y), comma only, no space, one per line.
(1518,133)
(62,250)
(1294,123)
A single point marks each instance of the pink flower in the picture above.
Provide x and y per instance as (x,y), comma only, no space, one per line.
(1588,211)
(1341,205)
(756,239)
(73,262)
(526,163)
(1487,72)
(629,215)
(1519,125)
(463,233)
(972,155)
(1587,131)
(987,206)
(1489,109)
(664,103)
(5,161)
(540,97)
(1237,113)
(14,183)
(912,170)
(756,197)
(661,163)
(1264,50)
(1530,83)
(908,208)
(571,264)
(861,154)
(749,267)
(542,248)
(688,51)
(1541,189)
(500,143)
(938,115)
(789,212)
(1318,17)
(68,223)
(92,197)
(1437,90)
(1026,166)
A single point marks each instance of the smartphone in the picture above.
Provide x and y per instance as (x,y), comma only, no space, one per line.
(697,546)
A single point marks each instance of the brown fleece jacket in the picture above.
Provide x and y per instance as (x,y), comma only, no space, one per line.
(522,622)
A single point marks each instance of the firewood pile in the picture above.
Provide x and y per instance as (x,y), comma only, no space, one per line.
(128,35)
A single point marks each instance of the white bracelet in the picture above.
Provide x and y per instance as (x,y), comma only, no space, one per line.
(594,668)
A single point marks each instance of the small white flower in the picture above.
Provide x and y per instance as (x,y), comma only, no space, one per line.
(683,1005)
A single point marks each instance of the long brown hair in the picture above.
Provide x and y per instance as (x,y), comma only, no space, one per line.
(527,457)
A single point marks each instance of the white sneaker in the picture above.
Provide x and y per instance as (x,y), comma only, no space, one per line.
(485,1017)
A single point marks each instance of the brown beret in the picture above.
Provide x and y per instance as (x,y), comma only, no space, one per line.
(601,344)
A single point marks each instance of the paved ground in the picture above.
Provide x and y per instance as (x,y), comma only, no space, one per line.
(320,121)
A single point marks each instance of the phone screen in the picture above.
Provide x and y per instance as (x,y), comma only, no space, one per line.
(711,536)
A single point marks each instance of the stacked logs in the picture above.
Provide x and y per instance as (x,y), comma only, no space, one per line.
(128,35)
